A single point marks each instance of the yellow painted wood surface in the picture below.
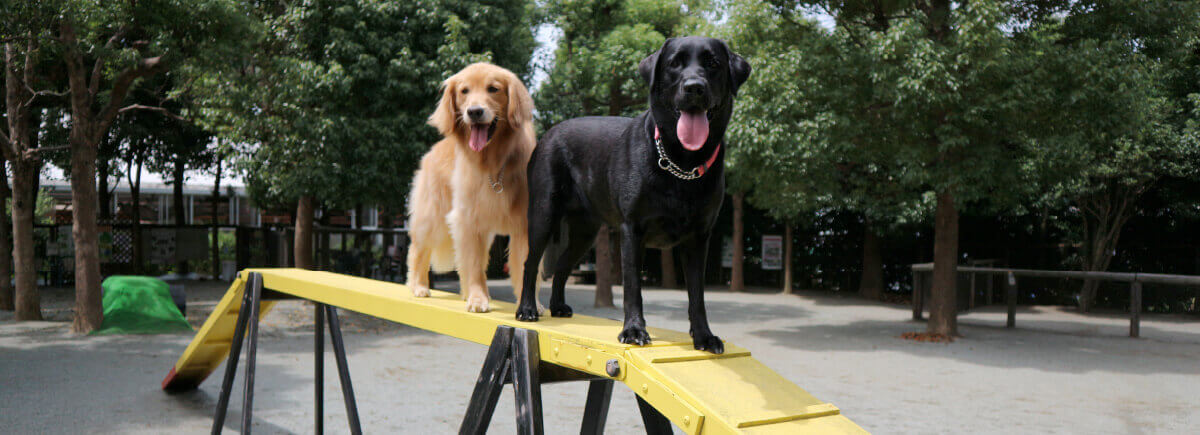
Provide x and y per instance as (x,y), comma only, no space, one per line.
(699,392)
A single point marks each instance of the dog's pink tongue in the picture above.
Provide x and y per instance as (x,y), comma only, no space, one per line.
(479,133)
(692,130)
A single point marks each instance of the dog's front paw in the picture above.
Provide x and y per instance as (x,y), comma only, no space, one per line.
(477,304)
(420,291)
(560,310)
(634,334)
(710,343)
(527,313)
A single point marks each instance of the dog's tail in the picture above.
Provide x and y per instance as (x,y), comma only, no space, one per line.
(442,257)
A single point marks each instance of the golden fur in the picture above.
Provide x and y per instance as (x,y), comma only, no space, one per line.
(454,211)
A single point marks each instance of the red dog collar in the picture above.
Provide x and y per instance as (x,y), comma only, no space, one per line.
(666,164)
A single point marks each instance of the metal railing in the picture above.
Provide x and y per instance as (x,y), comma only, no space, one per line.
(1135,281)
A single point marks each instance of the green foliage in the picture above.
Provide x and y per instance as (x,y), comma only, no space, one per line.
(594,71)
(43,209)
(333,100)
(1124,75)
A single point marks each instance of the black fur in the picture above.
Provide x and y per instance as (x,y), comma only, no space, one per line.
(594,170)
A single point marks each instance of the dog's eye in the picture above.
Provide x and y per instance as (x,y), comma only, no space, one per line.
(675,63)
(711,63)
(493,89)
(465,90)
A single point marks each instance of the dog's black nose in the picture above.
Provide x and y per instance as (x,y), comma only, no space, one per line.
(475,112)
(693,86)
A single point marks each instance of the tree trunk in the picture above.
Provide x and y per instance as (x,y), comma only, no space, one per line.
(787,258)
(88,127)
(668,268)
(870,285)
(180,211)
(736,281)
(604,271)
(1105,214)
(23,123)
(24,203)
(88,309)
(943,304)
(302,246)
(7,294)
(216,222)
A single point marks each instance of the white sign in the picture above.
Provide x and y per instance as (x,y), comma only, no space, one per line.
(772,252)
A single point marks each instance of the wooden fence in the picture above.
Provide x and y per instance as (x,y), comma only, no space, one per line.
(1135,281)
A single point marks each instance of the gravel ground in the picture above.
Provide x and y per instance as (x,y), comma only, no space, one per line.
(1058,372)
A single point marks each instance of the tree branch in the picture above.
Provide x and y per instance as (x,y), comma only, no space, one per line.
(161,110)
(94,86)
(32,153)
(147,66)
(80,99)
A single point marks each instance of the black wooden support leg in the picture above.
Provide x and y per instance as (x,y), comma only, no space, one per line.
(339,351)
(247,326)
(319,369)
(595,412)
(254,286)
(527,382)
(235,351)
(490,384)
(656,423)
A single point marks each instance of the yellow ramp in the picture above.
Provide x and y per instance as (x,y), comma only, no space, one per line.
(699,392)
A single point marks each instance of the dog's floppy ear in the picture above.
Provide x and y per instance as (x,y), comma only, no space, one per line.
(520,104)
(739,69)
(648,67)
(445,117)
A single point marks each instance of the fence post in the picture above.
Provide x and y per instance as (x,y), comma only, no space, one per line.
(917,300)
(1011,296)
(971,297)
(1135,309)
(990,284)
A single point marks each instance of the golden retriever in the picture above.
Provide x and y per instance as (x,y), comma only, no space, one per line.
(472,185)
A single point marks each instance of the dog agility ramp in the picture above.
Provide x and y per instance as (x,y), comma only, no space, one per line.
(699,392)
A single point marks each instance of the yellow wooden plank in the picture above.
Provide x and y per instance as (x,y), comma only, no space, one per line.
(213,327)
(444,312)
(698,391)
(831,424)
(737,392)
(211,344)
(686,352)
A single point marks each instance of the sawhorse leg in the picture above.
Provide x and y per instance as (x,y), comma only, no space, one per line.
(339,350)
(247,326)
(513,356)
(656,423)
(595,412)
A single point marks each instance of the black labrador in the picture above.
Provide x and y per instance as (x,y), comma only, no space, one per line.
(659,178)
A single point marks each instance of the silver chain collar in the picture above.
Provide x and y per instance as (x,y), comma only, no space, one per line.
(666,164)
(497,184)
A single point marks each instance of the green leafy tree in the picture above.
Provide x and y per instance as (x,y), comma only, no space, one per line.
(331,105)
(931,100)
(1125,76)
(28,90)
(108,48)
(804,130)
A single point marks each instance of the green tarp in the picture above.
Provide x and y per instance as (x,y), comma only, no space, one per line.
(139,305)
